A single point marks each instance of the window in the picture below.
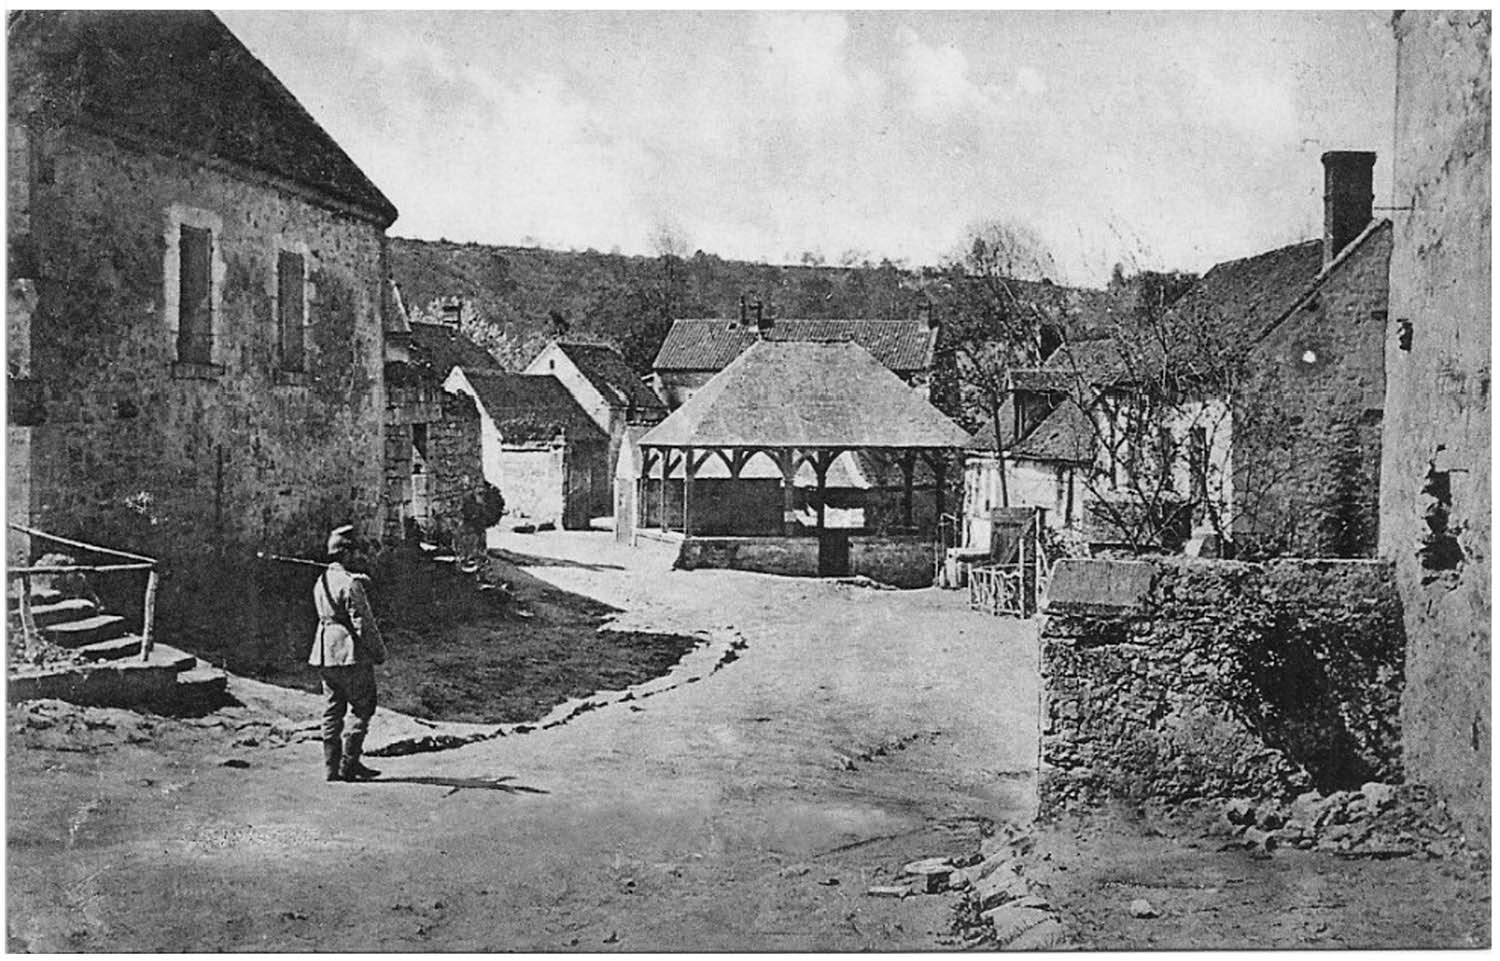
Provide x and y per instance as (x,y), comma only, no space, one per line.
(291,310)
(192,285)
(195,316)
(418,448)
(1198,463)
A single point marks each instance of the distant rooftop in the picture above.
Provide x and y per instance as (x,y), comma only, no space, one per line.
(709,344)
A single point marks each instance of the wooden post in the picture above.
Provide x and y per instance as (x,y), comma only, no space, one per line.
(821,462)
(908,466)
(661,499)
(148,619)
(940,470)
(687,489)
(788,463)
(28,623)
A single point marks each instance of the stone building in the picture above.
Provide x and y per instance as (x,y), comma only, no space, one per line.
(197,278)
(539,447)
(607,390)
(1435,478)
(434,474)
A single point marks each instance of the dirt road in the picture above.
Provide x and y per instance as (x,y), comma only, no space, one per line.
(750,808)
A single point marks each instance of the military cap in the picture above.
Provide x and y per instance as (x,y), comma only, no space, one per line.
(342,539)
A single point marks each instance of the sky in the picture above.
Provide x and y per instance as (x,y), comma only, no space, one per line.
(1156,140)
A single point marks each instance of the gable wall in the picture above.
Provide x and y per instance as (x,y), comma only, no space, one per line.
(1307,434)
(130,453)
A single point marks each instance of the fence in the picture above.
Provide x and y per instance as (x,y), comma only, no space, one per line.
(137,562)
(1013,586)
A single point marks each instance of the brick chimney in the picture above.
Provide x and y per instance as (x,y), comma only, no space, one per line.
(763,324)
(1348,198)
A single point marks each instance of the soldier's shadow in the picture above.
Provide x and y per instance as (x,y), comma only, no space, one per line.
(461,783)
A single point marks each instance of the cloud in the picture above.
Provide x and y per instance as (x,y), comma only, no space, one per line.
(802,62)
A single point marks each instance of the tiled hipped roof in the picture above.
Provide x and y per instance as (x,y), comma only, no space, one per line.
(806,395)
(904,346)
(182,77)
(611,376)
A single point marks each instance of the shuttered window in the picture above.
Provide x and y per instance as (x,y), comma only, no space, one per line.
(195,331)
(291,308)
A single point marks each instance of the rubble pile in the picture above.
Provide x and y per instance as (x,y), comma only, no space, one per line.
(1377,821)
(999,907)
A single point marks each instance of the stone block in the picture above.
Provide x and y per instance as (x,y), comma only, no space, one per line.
(1010,922)
(1087,585)
(1000,887)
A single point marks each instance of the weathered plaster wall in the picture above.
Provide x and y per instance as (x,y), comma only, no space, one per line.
(1176,679)
(534,479)
(1435,481)
(898,561)
(126,452)
(1311,487)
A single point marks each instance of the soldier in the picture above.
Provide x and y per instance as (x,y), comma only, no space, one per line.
(345,651)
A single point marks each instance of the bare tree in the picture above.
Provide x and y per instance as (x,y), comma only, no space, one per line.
(1001,302)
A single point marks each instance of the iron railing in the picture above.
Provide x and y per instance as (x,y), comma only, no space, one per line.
(138,562)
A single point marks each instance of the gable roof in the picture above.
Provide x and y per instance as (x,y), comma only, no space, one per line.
(1240,298)
(804,394)
(1066,434)
(528,407)
(903,346)
(603,366)
(443,347)
(984,438)
(181,77)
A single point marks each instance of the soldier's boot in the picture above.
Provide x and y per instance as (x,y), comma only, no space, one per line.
(351,769)
(333,756)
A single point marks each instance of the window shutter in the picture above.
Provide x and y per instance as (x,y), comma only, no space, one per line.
(291,303)
(195,332)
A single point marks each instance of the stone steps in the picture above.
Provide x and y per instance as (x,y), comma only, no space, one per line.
(87,630)
(126,645)
(67,609)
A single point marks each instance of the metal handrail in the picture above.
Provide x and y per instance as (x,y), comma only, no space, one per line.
(143,563)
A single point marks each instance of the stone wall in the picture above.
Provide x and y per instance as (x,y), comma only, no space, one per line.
(898,561)
(1308,486)
(796,556)
(130,448)
(1435,480)
(453,470)
(1177,679)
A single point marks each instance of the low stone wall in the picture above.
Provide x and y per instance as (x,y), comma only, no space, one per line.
(797,556)
(898,561)
(1180,679)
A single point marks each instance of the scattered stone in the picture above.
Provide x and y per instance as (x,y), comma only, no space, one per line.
(795,870)
(998,888)
(1011,922)
(888,891)
(1031,901)
(237,762)
(963,878)
(932,874)
(1141,908)
(1046,936)
(929,866)
(1378,796)
(1258,840)
(1240,811)
(829,882)
(1271,819)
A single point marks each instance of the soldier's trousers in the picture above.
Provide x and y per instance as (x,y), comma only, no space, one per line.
(348,689)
